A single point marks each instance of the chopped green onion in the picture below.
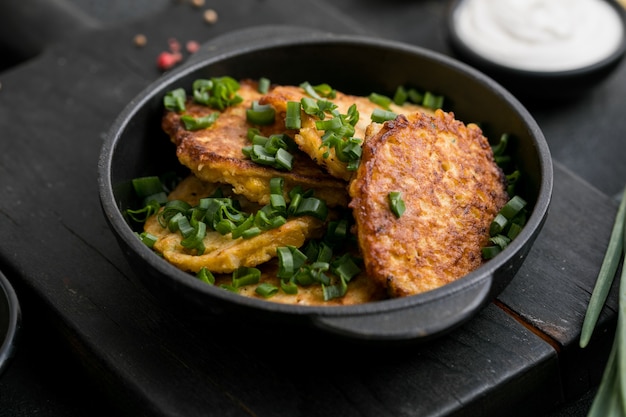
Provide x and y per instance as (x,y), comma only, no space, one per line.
(500,148)
(498,224)
(345,267)
(489,252)
(175,100)
(381,116)
(260,114)
(243,276)
(335,291)
(148,239)
(289,287)
(146,186)
(312,206)
(205,275)
(217,92)
(284,159)
(330,124)
(264,85)
(415,96)
(400,96)
(396,203)
(379,99)
(513,207)
(197,123)
(318,91)
(500,240)
(266,290)
(432,101)
(290,259)
(292,118)
(251,232)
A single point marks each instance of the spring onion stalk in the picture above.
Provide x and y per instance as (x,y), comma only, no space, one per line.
(610,399)
(606,274)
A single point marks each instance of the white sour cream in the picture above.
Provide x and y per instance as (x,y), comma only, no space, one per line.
(540,35)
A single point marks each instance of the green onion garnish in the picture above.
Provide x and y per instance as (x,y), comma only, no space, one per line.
(175,100)
(379,99)
(432,101)
(197,123)
(217,93)
(243,276)
(396,203)
(292,118)
(274,151)
(148,239)
(266,290)
(400,96)
(205,275)
(264,85)
(260,114)
(381,116)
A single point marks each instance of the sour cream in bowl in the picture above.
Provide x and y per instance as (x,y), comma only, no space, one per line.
(541,48)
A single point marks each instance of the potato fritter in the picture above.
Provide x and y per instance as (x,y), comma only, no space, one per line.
(309,138)
(224,254)
(215,154)
(452,190)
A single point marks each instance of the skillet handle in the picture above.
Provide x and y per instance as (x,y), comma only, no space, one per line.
(438,315)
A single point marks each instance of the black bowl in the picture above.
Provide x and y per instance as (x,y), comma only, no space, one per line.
(10,320)
(539,84)
(136,147)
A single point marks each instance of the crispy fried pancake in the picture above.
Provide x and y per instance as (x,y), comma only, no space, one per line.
(452,190)
(215,154)
(309,139)
(224,254)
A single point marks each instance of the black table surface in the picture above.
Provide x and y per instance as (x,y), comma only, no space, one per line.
(94,342)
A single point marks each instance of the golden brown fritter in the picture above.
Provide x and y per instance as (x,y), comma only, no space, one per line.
(309,139)
(224,254)
(452,190)
(215,154)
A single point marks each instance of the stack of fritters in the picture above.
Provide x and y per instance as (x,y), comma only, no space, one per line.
(443,169)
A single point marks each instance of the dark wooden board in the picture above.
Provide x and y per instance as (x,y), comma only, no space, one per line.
(56,246)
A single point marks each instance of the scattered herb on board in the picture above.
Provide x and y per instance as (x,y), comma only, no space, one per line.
(610,400)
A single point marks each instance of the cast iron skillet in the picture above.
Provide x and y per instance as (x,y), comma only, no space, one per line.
(136,147)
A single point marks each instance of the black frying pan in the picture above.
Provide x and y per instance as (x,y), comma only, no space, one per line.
(136,147)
